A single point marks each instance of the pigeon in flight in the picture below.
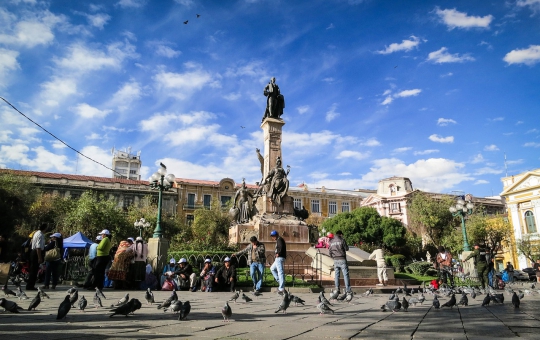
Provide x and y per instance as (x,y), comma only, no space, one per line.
(21,294)
(334,294)
(185,22)
(323,299)
(35,302)
(10,306)
(226,311)
(184,311)
(123,300)
(198,15)
(349,297)
(64,308)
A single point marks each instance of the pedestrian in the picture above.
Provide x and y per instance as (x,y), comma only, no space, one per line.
(256,259)
(378,255)
(92,254)
(225,278)
(185,277)
(338,252)
(138,266)
(120,266)
(444,264)
(53,259)
(537,269)
(102,259)
(481,263)
(36,256)
(491,274)
(510,271)
(277,267)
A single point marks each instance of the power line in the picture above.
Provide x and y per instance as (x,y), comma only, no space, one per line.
(61,141)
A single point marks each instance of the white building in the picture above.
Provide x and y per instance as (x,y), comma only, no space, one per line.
(126,165)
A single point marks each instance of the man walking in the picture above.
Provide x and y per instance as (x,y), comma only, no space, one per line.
(378,255)
(256,258)
(481,264)
(36,256)
(338,252)
(277,267)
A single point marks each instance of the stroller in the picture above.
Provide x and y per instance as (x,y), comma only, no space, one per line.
(20,270)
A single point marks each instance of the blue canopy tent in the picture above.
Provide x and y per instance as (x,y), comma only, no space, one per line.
(75,241)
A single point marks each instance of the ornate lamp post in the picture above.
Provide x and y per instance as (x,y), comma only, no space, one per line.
(462,209)
(162,182)
(141,224)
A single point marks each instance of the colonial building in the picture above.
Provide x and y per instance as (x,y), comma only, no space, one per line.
(522,194)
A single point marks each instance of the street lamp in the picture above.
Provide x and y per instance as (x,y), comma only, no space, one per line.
(162,182)
(462,209)
(141,224)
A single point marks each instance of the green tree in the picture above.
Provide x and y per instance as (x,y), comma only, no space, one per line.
(210,228)
(528,248)
(429,216)
(17,194)
(147,209)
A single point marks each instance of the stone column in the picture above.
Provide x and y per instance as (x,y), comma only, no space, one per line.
(272,150)
(157,253)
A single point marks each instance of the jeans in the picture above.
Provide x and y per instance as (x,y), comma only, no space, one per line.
(341,266)
(52,271)
(278,272)
(256,271)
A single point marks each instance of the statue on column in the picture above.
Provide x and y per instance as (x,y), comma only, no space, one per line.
(275,102)
(242,210)
(277,181)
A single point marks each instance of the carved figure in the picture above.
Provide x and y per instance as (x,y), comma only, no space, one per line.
(278,182)
(243,202)
(275,102)
(301,214)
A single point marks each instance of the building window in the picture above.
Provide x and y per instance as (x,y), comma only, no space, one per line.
(128,201)
(133,172)
(191,201)
(529,221)
(189,219)
(315,206)
(225,200)
(345,207)
(332,208)
(207,200)
(297,203)
(75,195)
(394,207)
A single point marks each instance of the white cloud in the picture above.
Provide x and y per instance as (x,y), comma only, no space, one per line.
(445,121)
(488,171)
(532,131)
(528,56)
(403,94)
(455,19)
(449,74)
(183,85)
(58,145)
(37,158)
(81,58)
(519,122)
(57,89)
(532,145)
(534,5)
(126,95)
(426,152)
(345,174)
(478,159)
(253,69)
(93,136)
(353,154)
(166,51)
(403,149)
(442,56)
(481,181)
(98,20)
(159,121)
(8,62)
(387,100)
(496,119)
(86,111)
(514,162)
(87,167)
(440,139)
(331,114)
(131,3)
(318,175)
(302,109)
(187,3)
(371,142)
(405,45)
(491,147)
(34,30)
(232,96)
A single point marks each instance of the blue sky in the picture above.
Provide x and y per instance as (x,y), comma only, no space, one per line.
(437,91)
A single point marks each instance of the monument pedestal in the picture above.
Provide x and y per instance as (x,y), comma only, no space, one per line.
(157,253)
(468,267)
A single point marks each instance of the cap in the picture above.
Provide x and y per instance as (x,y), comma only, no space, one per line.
(273,233)
(207,261)
(339,232)
(105,231)
(330,235)
(172,260)
(99,238)
(57,235)
(182,260)
(227,259)
(138,238)
(131,239)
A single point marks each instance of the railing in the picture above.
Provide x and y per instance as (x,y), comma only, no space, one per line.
(75,268)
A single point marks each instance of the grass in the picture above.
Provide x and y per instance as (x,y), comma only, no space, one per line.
(418,278)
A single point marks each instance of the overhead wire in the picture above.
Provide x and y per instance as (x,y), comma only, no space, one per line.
(58,139)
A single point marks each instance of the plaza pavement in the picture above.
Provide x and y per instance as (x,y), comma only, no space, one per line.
(361,319)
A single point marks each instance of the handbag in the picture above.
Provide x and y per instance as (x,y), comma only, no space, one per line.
(53,254)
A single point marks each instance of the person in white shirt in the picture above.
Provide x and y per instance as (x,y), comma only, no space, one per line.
(378,255)
(36,256)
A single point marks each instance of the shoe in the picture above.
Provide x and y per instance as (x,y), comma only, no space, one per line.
(193,289)
(209,290)
(44,287)
(280,292)
(379,284)
(257,291)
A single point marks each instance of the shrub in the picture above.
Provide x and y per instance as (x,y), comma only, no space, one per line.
(419,268)
(398,262)
(432,272)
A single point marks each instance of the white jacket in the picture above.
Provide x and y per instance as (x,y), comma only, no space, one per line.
(378,255)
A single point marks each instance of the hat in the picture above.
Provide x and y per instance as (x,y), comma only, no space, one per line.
(138,238)
(172,260)
(227,259)
(99,238)
(182,260)
(330,235)
(57,235)
(105,231)
(339,232)
(131,239)
(273,233)
(207,261)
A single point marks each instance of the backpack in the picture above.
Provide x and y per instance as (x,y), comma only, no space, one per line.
(26,247)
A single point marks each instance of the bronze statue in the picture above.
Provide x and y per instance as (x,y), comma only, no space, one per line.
(275,102)
(278,182)
(242,210)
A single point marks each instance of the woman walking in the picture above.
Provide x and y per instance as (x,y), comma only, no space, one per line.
(53,260)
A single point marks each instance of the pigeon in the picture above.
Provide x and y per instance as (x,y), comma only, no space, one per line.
(393,305)
(246,298)
(226,311)
(235,296)
(42,293)
(323,299)
(392,295)
(515,300)
(97,301)
(64,308)
(123,309)
(184,311)
(405,304)
(20,294)
(174,307)
(185,22)
(10,306)
(257,293)
(324,309)
(285,302)
(368,292)
(436,303)
(473,294)
(166,304)
(486,301)
(71,290)
(35,302)
(135,305)
(349,297)
(149,296)
(334,294)
(498,298)
(82,303)
(198,15)
(464,301)
(521,295)
(413,301)
(7,291)
(450,303)
(297,300)
(422,298)
(73,298)
(100,293)
(174,296)
(123,300)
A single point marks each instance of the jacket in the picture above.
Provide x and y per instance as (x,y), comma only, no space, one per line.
(104,247)
(281,247)
(260,253)
(338,248)
(378,255)
(444,262)
(187,270)
(226,273)
(479,256)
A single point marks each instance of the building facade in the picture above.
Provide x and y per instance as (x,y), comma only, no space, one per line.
(126,165)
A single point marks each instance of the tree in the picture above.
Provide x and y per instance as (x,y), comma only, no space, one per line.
(210,228)
(430,217)
(529,248)
(147,209)
(17,194)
